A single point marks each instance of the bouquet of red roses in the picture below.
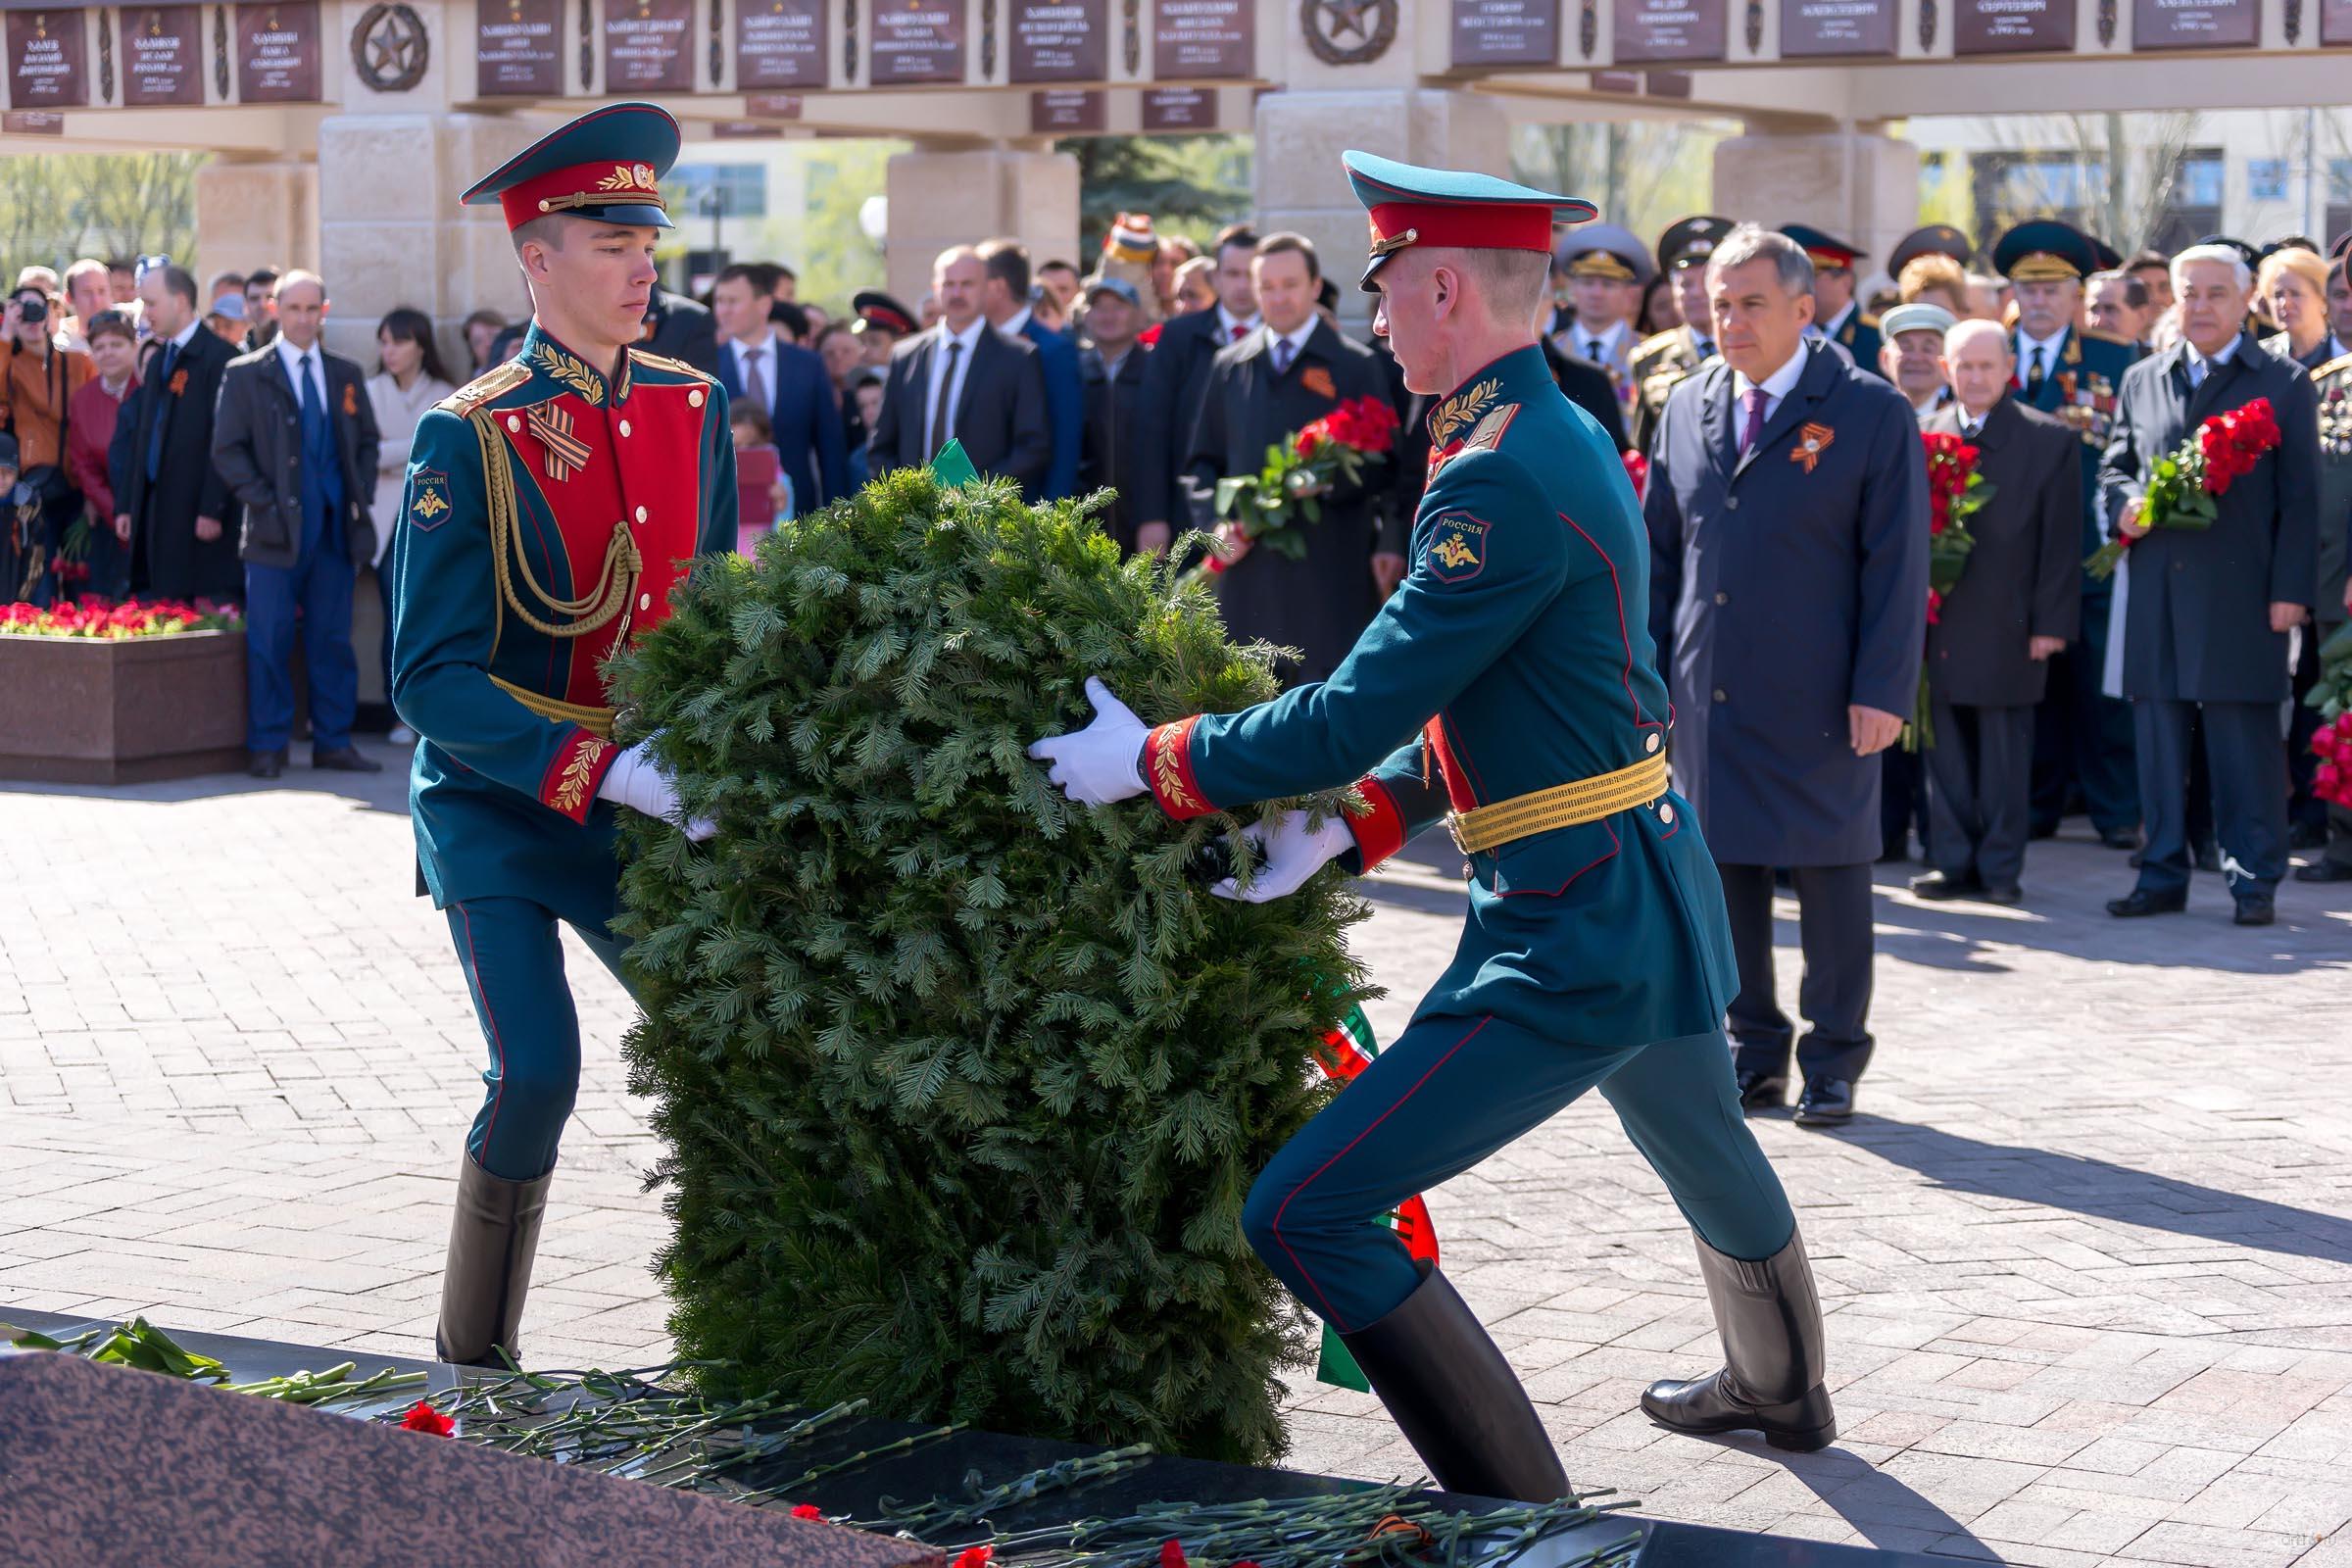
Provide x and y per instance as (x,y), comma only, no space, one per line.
(1955,493)
(1265,507)
(2331,742)
(2184,485)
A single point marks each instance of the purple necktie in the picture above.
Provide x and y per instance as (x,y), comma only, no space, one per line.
(1753,400)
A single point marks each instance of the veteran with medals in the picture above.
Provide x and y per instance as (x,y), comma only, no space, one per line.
(550,508)
(1509,686)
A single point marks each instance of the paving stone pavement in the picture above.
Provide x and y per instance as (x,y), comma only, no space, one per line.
(2087,1256)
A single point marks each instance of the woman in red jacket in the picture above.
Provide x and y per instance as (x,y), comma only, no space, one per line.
(89,429)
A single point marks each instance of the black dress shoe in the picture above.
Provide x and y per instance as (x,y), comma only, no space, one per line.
(2140,902)
(2011,896)
(1826,1102)
(2254,908)
(346,759)
(2120,838)
(266,764)
(1762,1091)
(2323,871)
(2043,830)
(1938,885)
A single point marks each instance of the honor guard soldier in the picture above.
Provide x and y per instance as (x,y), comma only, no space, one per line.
(1664,360)
(1509,686)
(1836,315)
(1606,269)
(2081,737)
(550,508)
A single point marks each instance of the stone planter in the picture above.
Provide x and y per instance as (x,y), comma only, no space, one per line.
(84,710)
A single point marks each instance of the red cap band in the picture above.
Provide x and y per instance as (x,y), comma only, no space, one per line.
(1485,226)
(604,184)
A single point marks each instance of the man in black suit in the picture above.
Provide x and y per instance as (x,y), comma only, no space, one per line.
(1292,370)
(1110,369)
(1788,512)
(1174,382)
(2206,611)
(680,329)
(966,381)
(178,509)
(295,437)
(1587,384)
(788,383)
(2017,602)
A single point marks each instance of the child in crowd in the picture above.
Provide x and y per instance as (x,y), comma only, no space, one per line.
(764,496)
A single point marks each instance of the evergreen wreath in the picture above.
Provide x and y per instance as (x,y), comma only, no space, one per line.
(964,1086)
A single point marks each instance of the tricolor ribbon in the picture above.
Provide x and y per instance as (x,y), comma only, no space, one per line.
(1347,1050)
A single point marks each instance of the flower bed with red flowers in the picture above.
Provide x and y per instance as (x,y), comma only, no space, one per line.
(2184,487)
(96,617)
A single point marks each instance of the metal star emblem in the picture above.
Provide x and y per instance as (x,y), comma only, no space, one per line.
(1346,15)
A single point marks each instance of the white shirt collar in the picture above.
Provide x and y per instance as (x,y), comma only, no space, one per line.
(1829,329)
(2228,351)
(179,340)
(767,342)
(291,358)
(1296,337)
(1578,334)
(969,337)
(1016,323)
(1780,383)
(1227,322)
(2051,349)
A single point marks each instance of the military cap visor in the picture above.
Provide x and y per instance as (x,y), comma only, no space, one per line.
(1690,240)
(1604,250)
(1916,316)
(1823,248)
(2044,251)
(1412,206)
(877,311)
(1933,239)
(607,166)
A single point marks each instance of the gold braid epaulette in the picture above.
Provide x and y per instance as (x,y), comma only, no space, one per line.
(661,361)
(615,582)
(493,383)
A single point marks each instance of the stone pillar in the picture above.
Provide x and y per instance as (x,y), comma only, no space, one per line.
(1859,186)
(1301,185)
(939,199)
(251,214)
(391,231)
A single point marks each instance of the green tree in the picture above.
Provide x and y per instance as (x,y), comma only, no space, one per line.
(56,208)
(1191,185)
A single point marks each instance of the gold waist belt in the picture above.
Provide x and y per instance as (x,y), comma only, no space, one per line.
(1588,800)
(596,720)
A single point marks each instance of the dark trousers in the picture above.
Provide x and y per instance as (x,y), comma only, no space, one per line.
(513,962)
(1903,801)
(2248,763)
(1833,928)
(1980,780)
(315,594)
(2082,738)
(1426,1109)
(2305,809)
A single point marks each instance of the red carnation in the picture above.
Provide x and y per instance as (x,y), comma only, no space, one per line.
(974,1557)
(1171,1554)
(807,1510)
(422,1417)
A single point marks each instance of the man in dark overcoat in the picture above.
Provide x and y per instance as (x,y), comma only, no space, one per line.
(1292,370)
(181,513)
(2017,602)
(1175,379)
(1788,515)
(2207,611)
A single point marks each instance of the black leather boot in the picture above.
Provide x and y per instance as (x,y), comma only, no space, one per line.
(1769,1315)
(1456,1399)
(491,1243)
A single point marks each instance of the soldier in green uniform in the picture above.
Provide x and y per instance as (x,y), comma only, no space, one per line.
(1510,679)
(1661,361)
(2081,737)
(1836,315)
(550,507)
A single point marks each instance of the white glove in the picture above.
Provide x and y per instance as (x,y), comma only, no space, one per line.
(1102,762)
(1290,852)
(635,780)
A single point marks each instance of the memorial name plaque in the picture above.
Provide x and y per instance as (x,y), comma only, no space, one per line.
(779,43)
(1813,27)
(45,59)
(2012,26)
(277,53)
(2335,22)
(1070,112)
(649,45)
(1060,40)
(1669,29)
(1180,109)
(163,56)
(918,42)
(2195,24)
(517,48)
(1506,32)
(1215,38)
(773,104)
(32,122)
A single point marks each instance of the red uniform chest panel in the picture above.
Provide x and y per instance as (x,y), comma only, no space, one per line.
(638,462)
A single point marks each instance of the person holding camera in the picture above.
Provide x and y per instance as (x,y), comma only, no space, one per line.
(39,380)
